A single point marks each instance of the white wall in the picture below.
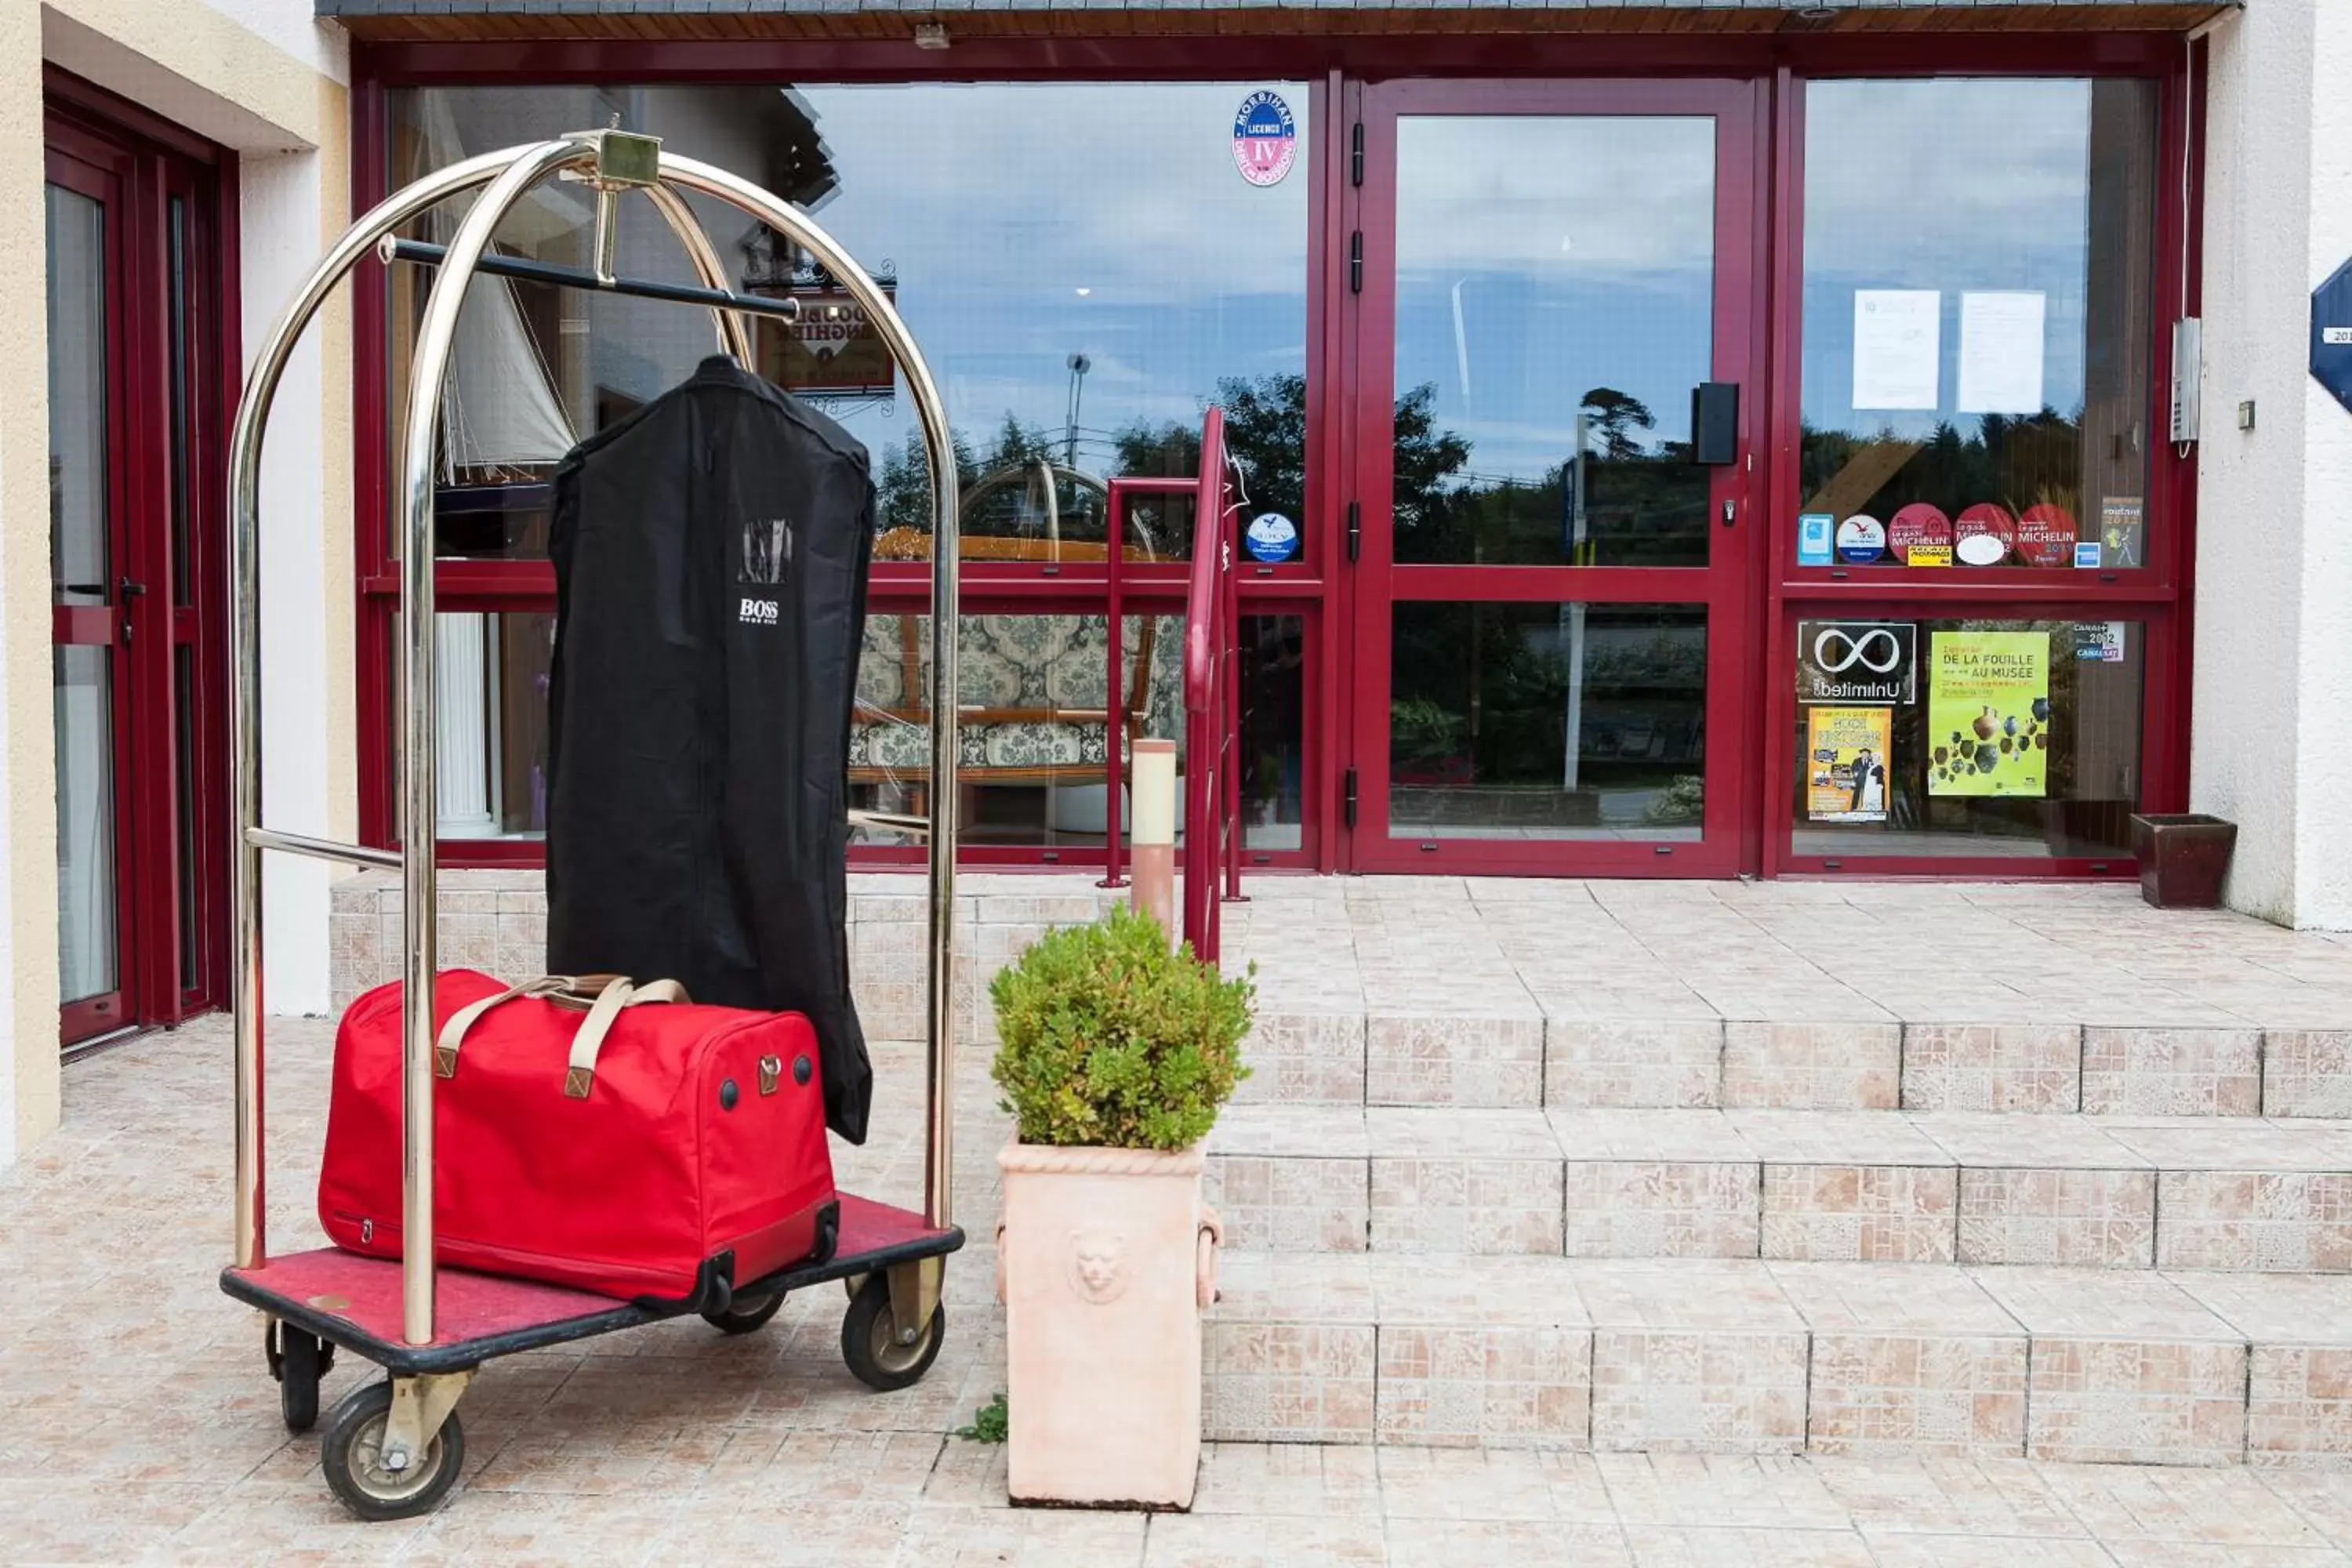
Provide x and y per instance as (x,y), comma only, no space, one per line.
(292,26)
(280,213)
(2272,745)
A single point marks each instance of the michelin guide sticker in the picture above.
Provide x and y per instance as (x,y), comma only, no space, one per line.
(1266,138)
(1272,537)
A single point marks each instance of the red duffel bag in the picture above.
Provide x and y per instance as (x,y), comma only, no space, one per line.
(584,1138)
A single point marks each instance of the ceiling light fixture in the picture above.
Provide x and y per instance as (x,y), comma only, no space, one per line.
(930,35)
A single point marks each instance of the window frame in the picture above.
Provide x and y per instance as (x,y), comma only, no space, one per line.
(1337,66)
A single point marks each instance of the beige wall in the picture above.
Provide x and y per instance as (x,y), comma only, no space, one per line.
(286,116)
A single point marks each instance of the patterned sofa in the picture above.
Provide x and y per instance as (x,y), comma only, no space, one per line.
(1034,694)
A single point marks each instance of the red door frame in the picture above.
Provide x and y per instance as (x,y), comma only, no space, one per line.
(1342,66)
(2159,594)
(93,171)
(139,166)
(1725,587)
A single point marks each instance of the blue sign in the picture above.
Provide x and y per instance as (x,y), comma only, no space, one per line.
(2331,334)
(1814,532)
(1271,537)
(1266,138)
(2086,554)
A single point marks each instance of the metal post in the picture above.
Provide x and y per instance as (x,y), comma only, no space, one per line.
(1114,704)
(436,335)
(796,226)
(251,1225)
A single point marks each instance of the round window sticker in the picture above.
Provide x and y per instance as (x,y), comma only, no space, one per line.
(1272,537)
(1917,525)
(2045,536)
(1266,138)
(1986,533)
(1861,539)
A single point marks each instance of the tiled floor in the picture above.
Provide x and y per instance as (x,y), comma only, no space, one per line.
(2015,954)
(143,1427)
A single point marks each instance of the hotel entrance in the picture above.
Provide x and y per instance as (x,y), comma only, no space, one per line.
(1554,521)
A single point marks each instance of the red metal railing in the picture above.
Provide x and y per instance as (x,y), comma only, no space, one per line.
(1212,827)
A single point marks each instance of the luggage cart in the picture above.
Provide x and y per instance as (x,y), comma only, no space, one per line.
(393,1449)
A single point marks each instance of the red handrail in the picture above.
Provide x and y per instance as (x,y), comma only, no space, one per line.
(1212,832)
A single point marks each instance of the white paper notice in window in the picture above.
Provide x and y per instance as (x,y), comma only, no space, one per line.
(2001,353)
(1897,347)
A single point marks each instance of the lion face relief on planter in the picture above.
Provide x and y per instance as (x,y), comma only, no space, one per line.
(1117,1054)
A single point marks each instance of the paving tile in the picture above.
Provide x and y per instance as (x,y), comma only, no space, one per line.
(1658,1546)
(2069,1218)
(1665,1064)
(2227,1507)
(1310,1478)
(2173,1072)
(2307,1072)
(1993,1498)
(2320,1498)
(1464,1181)
(2299,1374)
(1263,1540)
(1720,1489)
(1304,1059)
(1463,1484)
(2250,1194)
(2124,1368)
(1992,1067)
(1693,1358)
(1908,1361)
(1478,1542)
(1812,1066)
(1897,1550)
(1658,1183)
(1457,1059)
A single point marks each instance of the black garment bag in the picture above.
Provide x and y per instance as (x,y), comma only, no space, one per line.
(710,553)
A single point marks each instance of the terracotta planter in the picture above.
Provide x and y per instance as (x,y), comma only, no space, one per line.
(1106,1258)
(2182,860)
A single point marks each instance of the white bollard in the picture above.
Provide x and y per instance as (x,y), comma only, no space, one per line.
(1153,798)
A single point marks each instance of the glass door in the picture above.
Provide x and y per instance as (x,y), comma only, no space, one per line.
(1552,462)
(87,553)
(137,397)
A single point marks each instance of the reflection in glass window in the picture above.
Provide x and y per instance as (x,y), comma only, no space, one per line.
(1078,313)
(1034,728)
(1527,720)
(2020,739)
(1555,286)
(1977,262)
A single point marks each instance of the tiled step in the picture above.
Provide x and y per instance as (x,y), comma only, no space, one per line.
(2115,1193)
(1505,1055)
(1877,1360)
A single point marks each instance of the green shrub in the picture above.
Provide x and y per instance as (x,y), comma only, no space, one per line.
(1111,1039)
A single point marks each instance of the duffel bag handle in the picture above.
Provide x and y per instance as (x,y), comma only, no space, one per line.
(580,1073)
(602,994)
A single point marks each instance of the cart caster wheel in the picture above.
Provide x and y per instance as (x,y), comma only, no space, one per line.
(351,1452)
(302,1360)
(869,1342)
(749,1315)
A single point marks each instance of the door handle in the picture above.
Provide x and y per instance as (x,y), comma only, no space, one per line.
(131,590)
(1730,512)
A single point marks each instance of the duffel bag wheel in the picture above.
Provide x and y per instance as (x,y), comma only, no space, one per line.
(749,1315)
(302,1362)
(352,1453)
(869,1340)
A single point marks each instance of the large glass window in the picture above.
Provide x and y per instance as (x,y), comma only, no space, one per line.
(1078,307)
(1970,737)
(1550,721)
(1978,268)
